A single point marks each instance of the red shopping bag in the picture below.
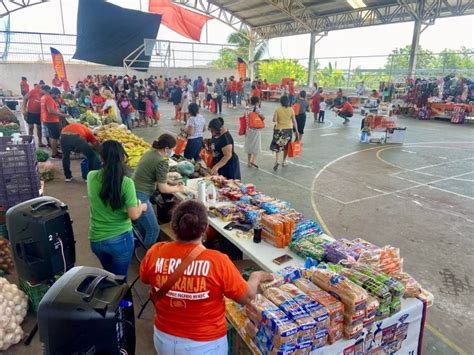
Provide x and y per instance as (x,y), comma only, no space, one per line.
(294,149)
(207,157)
(212,106)
(243,126)
(181,143)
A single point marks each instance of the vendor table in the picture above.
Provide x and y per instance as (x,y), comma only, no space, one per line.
(400,333)
(269,94)
(445,110)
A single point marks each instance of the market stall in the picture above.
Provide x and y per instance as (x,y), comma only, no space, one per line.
(384,307)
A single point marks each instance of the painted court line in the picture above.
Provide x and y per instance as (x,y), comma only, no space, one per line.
(328,134)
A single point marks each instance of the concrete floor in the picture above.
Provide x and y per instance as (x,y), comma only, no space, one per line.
(418,197)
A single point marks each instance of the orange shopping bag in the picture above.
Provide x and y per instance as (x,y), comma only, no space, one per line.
(207,157)
(294,149)
(181,143)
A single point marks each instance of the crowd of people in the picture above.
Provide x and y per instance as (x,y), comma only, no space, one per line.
(117,199)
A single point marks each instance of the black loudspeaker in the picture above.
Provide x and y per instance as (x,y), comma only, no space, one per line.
(87,311)
(42,240)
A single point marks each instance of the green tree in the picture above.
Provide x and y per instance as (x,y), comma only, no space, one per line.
(461,59)
(329,77)
(400,58)
(275,69)
(228,56)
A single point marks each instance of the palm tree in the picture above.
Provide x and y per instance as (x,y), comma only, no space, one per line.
(242,40)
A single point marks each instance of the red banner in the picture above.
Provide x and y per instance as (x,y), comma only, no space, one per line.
(241,68)
(58,64)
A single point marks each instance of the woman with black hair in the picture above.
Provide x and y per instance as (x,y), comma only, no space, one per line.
(195,126)
(285,122)
(226,162)
(113,206)
(152,173)
(190,316)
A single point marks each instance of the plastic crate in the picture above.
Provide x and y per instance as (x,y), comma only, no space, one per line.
(18,187)
(35,293)
(19,157)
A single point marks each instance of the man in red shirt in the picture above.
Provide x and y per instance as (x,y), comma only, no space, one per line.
(50,116)
(78,138)
(346,110)
(32,112)
(24,86)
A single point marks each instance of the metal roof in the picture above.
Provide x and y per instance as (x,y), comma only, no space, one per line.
(9,6)
(278,18)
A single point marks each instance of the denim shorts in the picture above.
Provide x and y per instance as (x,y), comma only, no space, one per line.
(171,345)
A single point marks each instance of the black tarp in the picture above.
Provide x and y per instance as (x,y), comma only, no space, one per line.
(107,33)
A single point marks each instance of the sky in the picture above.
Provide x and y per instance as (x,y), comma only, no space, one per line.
(452,33)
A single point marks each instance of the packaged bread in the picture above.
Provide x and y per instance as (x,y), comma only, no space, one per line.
(412,287)
(320,339)
(394,286)
(334,307)
(353,331)
(368,321)
(276,282)
(353,296)
(318,312)
(372,286)
(396,305)
(273,339)
(277,240)
(272,224)
(372,306)
(335,333)
(383,312)
(258,306)
(251,329)
(285,302)
(290,273)
(352,318)
(303,348)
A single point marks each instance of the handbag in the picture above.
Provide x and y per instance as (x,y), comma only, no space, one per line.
(294,149)
(174,277)
(296,108)
(181,143)
(243,126)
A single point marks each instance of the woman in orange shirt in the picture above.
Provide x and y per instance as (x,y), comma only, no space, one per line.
(190,318)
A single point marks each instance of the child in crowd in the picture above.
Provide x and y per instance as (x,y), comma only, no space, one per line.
(148,111)
(184,105)
(322,109)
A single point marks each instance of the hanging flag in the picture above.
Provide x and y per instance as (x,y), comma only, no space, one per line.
(241,68)
(58,64)
(185,22)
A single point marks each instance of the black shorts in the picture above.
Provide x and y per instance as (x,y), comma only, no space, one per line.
(33,118)
(54,130)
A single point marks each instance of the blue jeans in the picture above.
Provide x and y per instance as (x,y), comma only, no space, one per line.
(233,97)
(115,253)
(127,119)
(147,223)
(193,148)
(291,99)
(171,345)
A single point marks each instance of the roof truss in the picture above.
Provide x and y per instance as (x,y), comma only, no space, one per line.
(9,6)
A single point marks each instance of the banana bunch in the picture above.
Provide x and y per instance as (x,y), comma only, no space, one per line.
(134,146)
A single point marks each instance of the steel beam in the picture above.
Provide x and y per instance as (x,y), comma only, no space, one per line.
(9,6)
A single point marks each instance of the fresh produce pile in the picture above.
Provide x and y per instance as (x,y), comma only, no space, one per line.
(8,128)
(47,171)
(41,156)
(90,118)
(13,308)
(190,169)
(6,259)
(134,146)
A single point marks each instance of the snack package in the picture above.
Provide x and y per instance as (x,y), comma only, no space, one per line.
(369,284)
(354,297)
(311,246)
(334,307)
(276,282)
(277,240)
(368,321)
(382,312)
(286,303)
(335,333)
(290,273)
(396,305)
(251,329)
(353,331)
(318,312)
(394,287)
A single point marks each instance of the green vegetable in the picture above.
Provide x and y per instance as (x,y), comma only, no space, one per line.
(42,156)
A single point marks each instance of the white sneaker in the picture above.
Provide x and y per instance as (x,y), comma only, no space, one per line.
(69,179)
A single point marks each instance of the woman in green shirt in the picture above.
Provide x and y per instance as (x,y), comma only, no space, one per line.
(113,206)
(285,121)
